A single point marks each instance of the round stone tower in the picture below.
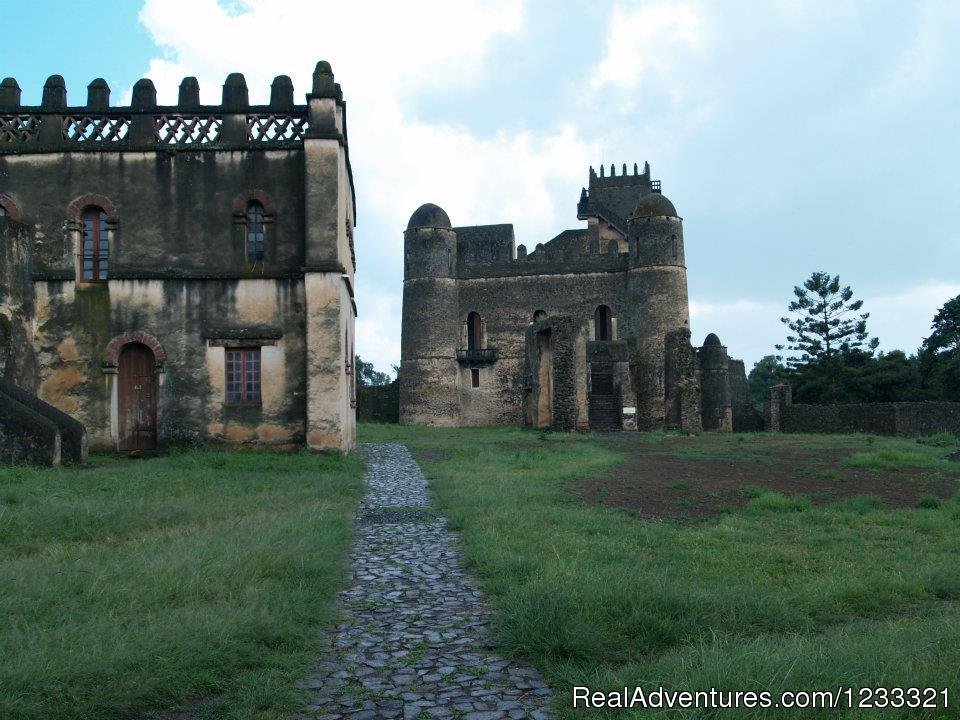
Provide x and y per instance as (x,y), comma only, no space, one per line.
(429,375)
(715,385)
(657,301)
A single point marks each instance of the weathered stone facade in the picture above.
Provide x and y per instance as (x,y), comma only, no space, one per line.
(213,245)
(907,419)
(564,336)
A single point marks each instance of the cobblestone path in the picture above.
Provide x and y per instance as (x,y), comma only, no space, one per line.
(413,642)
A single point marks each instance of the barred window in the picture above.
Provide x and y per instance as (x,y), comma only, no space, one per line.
(243,376)
(255,241)
(96,245)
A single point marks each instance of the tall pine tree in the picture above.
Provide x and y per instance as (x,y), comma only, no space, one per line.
(827,332)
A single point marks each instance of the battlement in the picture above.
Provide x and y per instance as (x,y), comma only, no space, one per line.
(624,179)
(613,197)
(55,126)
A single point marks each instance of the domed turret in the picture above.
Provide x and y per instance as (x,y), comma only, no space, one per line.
(654,205)
(429,391)
(711,339)
(656,298)
(429,216)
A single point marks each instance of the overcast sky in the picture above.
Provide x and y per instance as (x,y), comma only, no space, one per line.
(791,136)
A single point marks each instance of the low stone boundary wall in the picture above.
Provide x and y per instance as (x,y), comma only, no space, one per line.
(73,434)
(907,419)
(26,436)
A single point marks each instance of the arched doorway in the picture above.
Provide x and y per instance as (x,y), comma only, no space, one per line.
(137,421)
(602,323)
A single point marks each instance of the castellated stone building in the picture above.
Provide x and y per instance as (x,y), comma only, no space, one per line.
(568,334)
(180,272)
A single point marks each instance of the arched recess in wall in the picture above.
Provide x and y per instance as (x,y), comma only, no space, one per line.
(92,223)
(539,315)
(253,214)
(142,345)
(474,331)
(602,323)
(8,208)
(111,353)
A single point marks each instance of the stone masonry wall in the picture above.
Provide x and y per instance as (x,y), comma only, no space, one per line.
(904,419)
(17,359)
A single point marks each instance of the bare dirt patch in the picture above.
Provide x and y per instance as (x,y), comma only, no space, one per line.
(661,484)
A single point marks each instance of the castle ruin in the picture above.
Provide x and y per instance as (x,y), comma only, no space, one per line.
(569,334)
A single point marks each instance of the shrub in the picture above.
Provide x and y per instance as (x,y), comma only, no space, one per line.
(928,502)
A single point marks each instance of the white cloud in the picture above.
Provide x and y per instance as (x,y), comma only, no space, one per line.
(399,163)
(749,328)
(377,339)
(650,40)
(902,320)
(920,64)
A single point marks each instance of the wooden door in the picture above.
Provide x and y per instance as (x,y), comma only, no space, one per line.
(138,398)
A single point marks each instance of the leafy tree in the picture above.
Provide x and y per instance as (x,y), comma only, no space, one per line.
(767,371)
(367,376)
(940,355)
(946,329)
(827,323)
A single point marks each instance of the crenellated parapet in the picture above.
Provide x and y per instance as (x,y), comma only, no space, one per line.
(56,126)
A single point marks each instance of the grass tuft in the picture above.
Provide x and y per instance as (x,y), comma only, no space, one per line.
(774,502)
(891,458)
(944,439)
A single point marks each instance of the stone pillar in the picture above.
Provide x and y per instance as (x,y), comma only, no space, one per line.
(328,272)
(715,385)
(775,399)
(682,383)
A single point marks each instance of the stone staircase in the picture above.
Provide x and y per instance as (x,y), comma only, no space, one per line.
(605,412)
(33,431)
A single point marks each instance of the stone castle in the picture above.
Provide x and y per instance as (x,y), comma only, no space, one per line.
(186,272)
(177,272)
(569,334)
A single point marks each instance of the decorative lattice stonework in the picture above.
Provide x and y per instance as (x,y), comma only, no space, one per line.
(275,128)
(95,129)
(19,128)
(188,130)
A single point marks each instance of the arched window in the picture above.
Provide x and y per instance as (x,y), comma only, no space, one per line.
(3,211)
(602,323)
(96,245)
(474,332)
(539,315)
(255,244)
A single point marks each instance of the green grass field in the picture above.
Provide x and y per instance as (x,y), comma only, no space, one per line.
(779,593)
(191,580)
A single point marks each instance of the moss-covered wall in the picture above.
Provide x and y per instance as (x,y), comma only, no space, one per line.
(191,320)
(17,360)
